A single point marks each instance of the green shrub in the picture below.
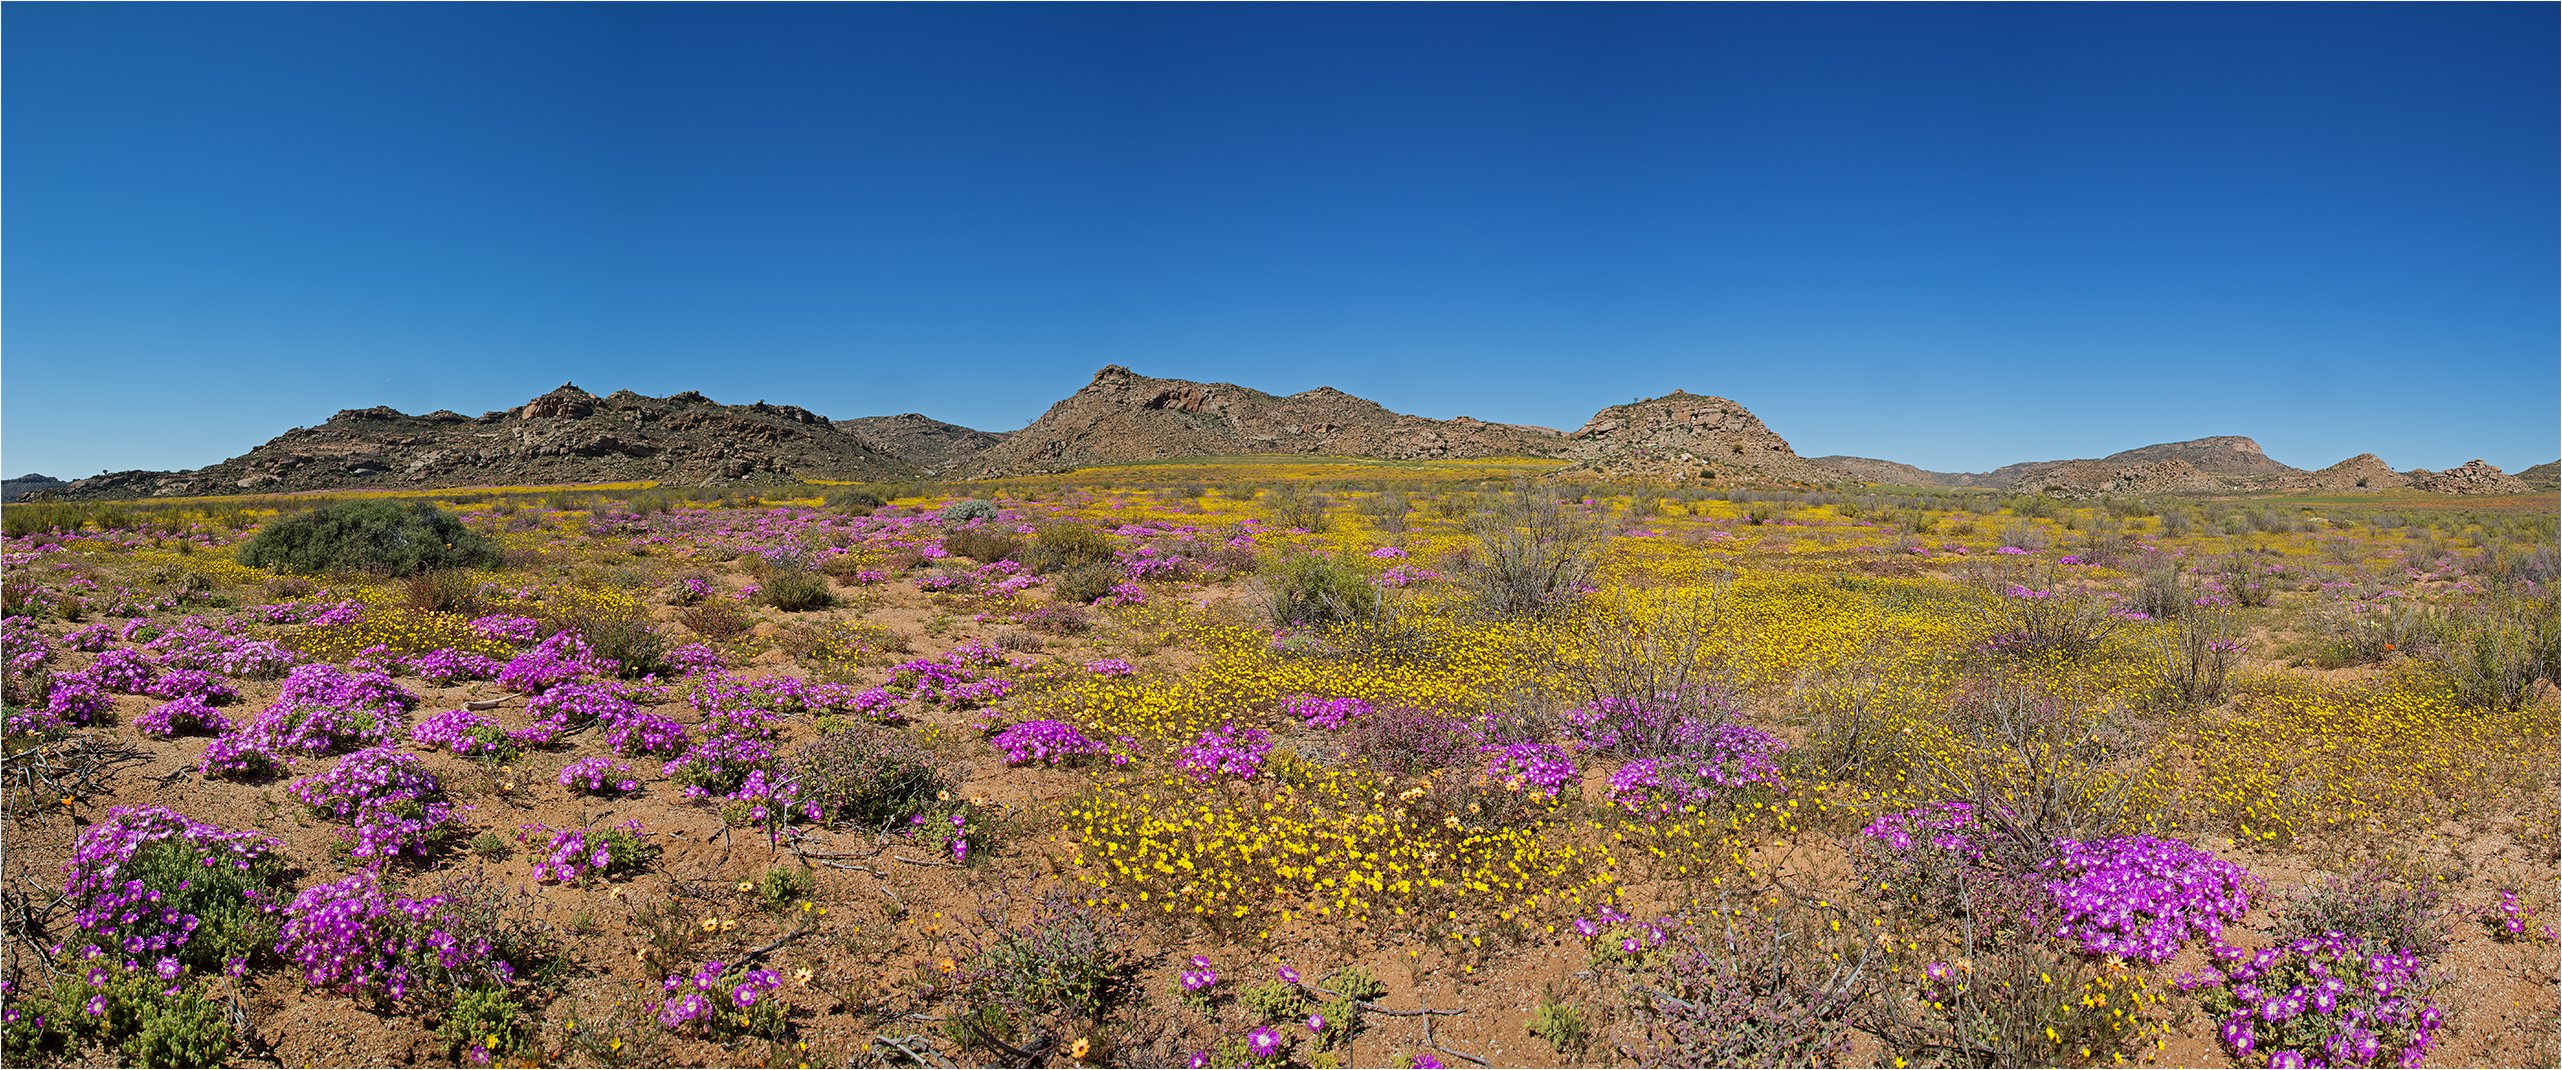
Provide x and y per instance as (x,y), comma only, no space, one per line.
(1272,1001)
(1084,583)
(1068,965)
(1302,589)
(627,637)
(1354,982)
(784,886)
(1294,508)
(854,501)
(1386,509)
(2371,906)
(716,619)
(966,510)
(1063,546)
(982,544)
(182,1030)
(1561,1025)
(137,1019)
(485,1014)
(869,777)
(446,591)
(2499,652)
(382,537)
(795,591)
(1530,555)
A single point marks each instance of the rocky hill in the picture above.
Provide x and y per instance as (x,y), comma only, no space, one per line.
(12,489)
(1891,473)
(928,443)
(1683,437)
(2475,476)
(1124,416)
(2222,462)
(572,436)
(2218,463)
(2365,471)
(566,436)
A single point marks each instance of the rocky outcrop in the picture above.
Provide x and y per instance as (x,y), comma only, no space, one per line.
(1683,437)
(1890,473)
(2365,471)
(2222,462)
(571,436)
(565,436)
(2475,476)
(13,489)
(1123,416)
(928,443)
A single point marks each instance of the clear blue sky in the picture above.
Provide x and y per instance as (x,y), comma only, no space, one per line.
(1954,236)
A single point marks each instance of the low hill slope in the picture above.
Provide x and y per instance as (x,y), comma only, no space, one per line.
(566,436)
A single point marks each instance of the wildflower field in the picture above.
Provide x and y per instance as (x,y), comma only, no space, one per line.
(1304,763)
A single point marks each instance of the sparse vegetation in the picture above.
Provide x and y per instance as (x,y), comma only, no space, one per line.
(1858,763)
(380,537)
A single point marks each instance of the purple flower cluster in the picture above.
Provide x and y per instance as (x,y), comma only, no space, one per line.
(325,710)
(236,756)
(1734,756)
(958,680)
(1945,827)
(447,665)
(599,776)
(1537,768)
(694,659)
(23,646)
(507,628)
(1198,980)
(111,904)
(694,1002)
(1330,714)
(2143,897)
(642,732)
(1050,742)
(394,805)
(125,672)
(569,706)
(1227,750)
(350,936)
(571,856)
(2319,1001)
(76,698)
(564,656)
(190,713)
(1110,667)
(1647,728)
(192,683)
(463,732)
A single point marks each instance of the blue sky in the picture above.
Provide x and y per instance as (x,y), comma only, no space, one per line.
(1953,236)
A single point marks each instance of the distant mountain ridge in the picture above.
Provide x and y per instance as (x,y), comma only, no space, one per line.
(2200,465)
(1120,416)
(565,436)
(1123,416)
